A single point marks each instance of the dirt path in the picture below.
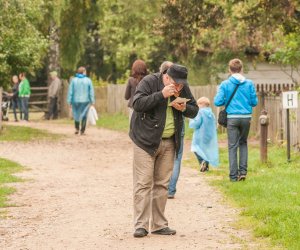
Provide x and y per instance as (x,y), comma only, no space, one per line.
(79,196)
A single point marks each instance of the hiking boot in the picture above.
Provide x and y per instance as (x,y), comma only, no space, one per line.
(76,132)
(242,178)
(165,231)
(140,232)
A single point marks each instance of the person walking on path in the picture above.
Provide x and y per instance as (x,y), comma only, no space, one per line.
(16,102)
(155,129)
(205,141)
(24,95)
(80,98)
(53,93)
(138,71)
(239,114)
(177,161)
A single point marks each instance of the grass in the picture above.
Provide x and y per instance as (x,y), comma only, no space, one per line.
(269,198)
(7,169)
(118,122)
(18,133)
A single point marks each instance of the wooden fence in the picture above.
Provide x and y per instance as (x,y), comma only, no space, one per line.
(110,99)
(38,101)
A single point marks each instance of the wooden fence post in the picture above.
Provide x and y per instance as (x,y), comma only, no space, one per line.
(1,91)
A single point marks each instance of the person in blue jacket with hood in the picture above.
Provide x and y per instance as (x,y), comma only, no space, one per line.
(80,98)
(205,141)
(239,114)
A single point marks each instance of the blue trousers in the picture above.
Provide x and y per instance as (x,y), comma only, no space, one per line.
(25,107)
(237,131)
(176,168)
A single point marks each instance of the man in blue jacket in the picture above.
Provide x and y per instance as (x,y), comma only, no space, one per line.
(239,114)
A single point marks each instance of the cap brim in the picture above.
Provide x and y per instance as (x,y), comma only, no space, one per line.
(178,80)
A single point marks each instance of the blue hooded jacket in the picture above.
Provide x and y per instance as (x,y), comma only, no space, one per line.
(81,90)
(244,99)
(205,141)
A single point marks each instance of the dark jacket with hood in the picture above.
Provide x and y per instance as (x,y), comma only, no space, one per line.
(149,116)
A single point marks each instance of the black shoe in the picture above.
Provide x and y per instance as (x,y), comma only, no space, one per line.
(242,177)
(165,231)
(203,166)
(140,232)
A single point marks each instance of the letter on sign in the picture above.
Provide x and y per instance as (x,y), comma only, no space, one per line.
(290,99)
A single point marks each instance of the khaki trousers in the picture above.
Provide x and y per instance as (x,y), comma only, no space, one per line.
(151,175)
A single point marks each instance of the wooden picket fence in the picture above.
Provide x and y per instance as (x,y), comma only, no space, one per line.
(110,99)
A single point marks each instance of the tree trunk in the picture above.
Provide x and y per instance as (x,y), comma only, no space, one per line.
(53,50)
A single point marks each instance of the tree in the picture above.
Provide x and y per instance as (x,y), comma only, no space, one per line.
(22,45)
(126,33)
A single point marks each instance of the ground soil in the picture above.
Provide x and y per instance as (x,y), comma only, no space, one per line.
(78,195)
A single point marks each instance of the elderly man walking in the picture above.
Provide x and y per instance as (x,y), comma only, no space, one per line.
(53,93)
(155,129)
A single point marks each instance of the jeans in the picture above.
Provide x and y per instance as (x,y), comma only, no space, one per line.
(53,110)
(25,107)
(176,168)
(83,125)
(16,104)
(237,132)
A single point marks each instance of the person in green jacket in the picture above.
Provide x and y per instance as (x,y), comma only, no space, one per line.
(24,94)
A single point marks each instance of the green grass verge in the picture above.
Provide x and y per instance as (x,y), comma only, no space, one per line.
(269,198)
(18,133)
(7,169)
(117,122)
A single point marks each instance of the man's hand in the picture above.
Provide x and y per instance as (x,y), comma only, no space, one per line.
(169,90)
(179,106)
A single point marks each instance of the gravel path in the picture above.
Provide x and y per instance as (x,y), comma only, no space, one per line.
(78,195)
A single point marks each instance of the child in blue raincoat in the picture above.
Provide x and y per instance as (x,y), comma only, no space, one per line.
(205,141)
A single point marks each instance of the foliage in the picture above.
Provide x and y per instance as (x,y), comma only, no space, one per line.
(126,33)
(210,32)
(269,198)
(73,31)
(22,46)
(7,168)
(288,55)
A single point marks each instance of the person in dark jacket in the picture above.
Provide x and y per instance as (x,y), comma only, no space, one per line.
(138,71)
(16,102)
(155,129)
(239,113)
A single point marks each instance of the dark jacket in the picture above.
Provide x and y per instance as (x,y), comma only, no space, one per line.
(149,116)
(15,91)
(130,90)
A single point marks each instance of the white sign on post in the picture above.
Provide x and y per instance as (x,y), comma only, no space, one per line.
(290,99)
